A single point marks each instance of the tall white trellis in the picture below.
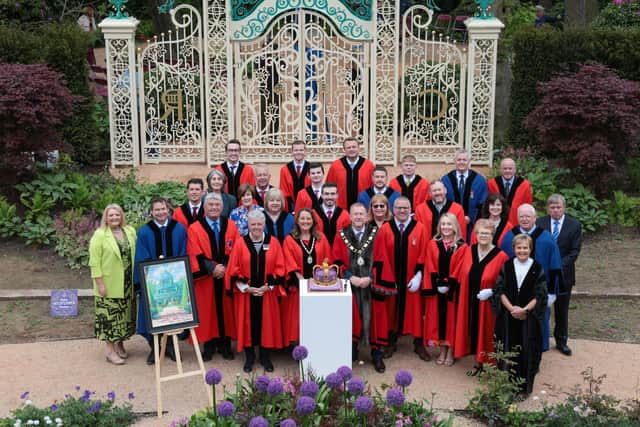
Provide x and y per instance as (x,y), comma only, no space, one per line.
(297,69)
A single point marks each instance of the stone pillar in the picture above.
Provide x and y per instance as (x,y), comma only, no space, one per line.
(481,88)
(119,34)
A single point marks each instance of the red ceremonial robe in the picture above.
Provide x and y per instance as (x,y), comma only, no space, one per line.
(184,215)
(307,199)
(417,191)
(257,318)
(476,322)
(429,216)
(404,257)
(350,182)
(329,227)
(291,184)
(443,269)
(519,194)
(296,262)
(244,175)
(215,307)
(501,230)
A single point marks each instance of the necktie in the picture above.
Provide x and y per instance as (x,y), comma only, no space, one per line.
(262,193)
(401,227)
(233,170)
(194,212)
(317,193)
(216,227)
(359,236)
(461,186)
(507,188)
(298,170)
(163,233)
(556,229)
(329,214)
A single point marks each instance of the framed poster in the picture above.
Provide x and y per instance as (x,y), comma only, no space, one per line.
(168,296)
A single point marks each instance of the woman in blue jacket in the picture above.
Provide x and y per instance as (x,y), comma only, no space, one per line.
(111,255)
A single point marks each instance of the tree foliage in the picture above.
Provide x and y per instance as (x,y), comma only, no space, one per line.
(589,121)
(32,111)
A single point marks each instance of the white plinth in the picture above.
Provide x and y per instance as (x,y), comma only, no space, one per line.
(325,329)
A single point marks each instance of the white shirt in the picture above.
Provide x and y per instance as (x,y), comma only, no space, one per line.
(406,223)
(376,191)
(161,225)
(408,179)
(522,268)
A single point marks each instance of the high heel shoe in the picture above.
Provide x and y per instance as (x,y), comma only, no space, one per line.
(120,351)
(115,359)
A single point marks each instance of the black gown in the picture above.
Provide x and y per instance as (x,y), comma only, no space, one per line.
(522,336)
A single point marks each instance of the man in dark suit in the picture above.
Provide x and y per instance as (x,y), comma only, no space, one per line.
(567,232)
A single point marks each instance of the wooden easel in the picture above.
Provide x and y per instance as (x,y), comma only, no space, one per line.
(159,355)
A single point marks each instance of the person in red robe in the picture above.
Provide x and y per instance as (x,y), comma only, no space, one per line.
(429,212)
(410,185)
(400,246)
(263,183)
(305,247)
(255,275)
(353,252)
(515,189)
(329,216)
(294,176)
(235,171)
(209,243)
(495,209)
(311,195)
(475,321)
(351,173)
(193,208)
(441,286)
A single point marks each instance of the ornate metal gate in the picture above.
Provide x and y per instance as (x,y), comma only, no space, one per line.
(301,79)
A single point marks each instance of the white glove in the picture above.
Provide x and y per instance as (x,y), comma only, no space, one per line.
(415,282)
(443,289)
(242,287)
(485,294)
(551,300)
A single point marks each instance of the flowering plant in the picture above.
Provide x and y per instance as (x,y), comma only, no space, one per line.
(81,410)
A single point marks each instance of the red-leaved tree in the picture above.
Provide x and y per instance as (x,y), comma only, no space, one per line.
(590,122)
(34,102)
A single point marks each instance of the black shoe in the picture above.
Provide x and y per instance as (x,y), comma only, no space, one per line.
(389,350)
(151,358)
(268,366)
(249,358)
(354,352)
(207,356)
(378,364)
(170,353)
(208,349)
(564,349)
(227,354)
(183,335)
(421,352)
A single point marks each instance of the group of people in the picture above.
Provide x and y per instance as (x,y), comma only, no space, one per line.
(452,263)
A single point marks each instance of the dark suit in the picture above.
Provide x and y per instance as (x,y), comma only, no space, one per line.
(569,242)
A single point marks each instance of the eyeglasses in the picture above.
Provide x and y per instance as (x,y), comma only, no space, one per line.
(405,208)
(379,206)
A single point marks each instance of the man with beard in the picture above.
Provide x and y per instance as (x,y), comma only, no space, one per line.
(429,212)
(329,215)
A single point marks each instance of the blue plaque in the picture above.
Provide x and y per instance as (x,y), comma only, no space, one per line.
(64,303)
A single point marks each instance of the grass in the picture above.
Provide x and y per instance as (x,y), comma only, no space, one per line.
(605,319)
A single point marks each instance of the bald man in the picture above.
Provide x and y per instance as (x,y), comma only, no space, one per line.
(545,251)
(515,189)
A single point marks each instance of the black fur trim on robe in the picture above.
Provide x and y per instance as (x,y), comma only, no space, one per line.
(157,234)
(475,277)
(352,180)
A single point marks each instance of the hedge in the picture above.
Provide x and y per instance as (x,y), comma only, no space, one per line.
(542,53)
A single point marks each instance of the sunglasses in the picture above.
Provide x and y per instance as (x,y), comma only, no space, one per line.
(379,206)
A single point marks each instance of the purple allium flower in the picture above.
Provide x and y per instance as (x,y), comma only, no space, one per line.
(258,422)
(54,407)
(95,407)
(345,373)
(305,405)
(363,404)
(275,387)
(85,396)
(262,382)
(24,395)
(77,388)
(131,396)
(288,423)
(226,408)
(213,376)
(355,386)
(403,378)
(111,396)
(309,388)
(333,380)
(299,353)
(395,397)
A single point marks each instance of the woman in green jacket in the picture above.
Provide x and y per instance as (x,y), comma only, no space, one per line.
(111,255)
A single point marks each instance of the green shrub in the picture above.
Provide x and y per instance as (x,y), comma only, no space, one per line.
(73,231)
(83,411)
(624,210)
(618,16)
(38,231)
(542,53)
(586,207)
(10,222)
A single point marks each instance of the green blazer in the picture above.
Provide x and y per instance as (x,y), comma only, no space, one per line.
(105,260)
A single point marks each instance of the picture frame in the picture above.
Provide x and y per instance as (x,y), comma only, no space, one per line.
(168,295)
